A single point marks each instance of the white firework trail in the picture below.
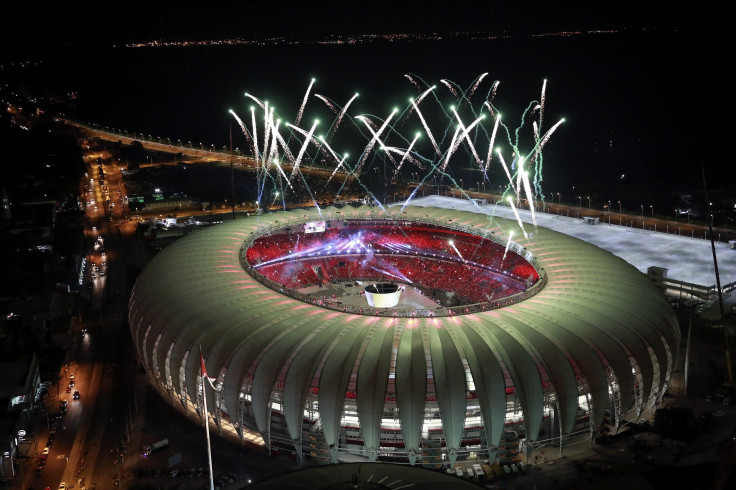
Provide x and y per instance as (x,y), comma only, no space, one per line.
(518,178)
(490,107)
(449,85)
(278,165)
(267,121)
(453,147)
(426,128)
(332,152)
(243,129)
(424,94)
(303,148)
(518,218)
(327,102)
(540,144)
(238,120)
(375,137)
(528,192)
(337,168)
(466,134)
(304,103)
(273,147)
(508,243)
(506,169)
(409,77)
(452,244)
(406,154)
(342,114)
(494,89)
(487,103)
(287,152)
(256,100)
(475,86)
(541,103)
(340,161)
(490,145)
(256,153)
(548,134)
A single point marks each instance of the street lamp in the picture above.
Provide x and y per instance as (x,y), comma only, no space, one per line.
(642,209)
(559,198)
(652,208)
(619,207)
(580,201)
(588,202)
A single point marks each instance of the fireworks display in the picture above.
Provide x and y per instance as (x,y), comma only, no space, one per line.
(451,130)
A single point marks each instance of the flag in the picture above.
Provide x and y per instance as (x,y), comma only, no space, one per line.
(204,370)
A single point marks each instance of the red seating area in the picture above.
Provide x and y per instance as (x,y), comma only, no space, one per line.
(418,255)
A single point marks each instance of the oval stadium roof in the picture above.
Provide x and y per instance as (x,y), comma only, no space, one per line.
(597,328)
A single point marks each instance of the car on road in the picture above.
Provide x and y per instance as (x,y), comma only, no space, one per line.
(46,451)
(62,486)
(68,389)
(76,395)
(71,376)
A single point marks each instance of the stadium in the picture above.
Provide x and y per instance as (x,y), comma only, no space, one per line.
(416,334)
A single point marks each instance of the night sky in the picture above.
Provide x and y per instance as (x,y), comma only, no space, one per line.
(99,24)
(683,111)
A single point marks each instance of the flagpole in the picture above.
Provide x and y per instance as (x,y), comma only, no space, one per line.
(206,422)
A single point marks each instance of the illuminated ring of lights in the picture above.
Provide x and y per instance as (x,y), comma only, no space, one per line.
(598,331)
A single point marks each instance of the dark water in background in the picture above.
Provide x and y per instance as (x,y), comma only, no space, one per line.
(634,105)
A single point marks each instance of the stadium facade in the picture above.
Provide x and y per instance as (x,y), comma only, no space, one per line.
(548,340)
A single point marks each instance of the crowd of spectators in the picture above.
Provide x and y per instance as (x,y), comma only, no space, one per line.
(473,269)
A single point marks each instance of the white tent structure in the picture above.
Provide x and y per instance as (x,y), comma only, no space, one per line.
(597,342)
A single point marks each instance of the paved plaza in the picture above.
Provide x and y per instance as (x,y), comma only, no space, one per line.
(687,259)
